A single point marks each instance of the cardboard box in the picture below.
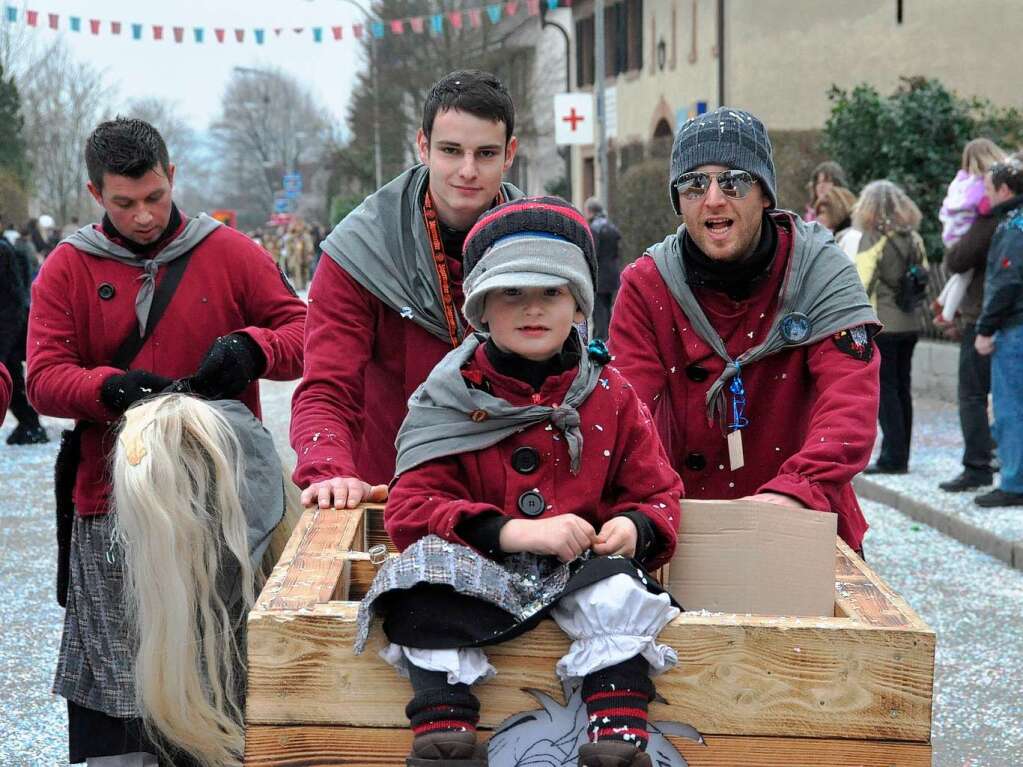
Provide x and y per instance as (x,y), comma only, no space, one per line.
(758,558)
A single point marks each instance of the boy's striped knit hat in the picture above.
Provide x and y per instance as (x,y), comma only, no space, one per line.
(529,242)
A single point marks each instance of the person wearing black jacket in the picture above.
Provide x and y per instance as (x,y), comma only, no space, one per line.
(605,238)
(15,283)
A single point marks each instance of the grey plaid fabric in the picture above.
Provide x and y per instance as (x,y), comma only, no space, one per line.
(96,668)
(522,584)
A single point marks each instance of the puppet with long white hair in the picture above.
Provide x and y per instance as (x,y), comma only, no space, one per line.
(198,494)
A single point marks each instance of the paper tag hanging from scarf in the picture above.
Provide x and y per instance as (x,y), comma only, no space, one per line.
(739,421)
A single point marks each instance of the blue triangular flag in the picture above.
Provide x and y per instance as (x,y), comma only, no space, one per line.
(317,34)
(198,32)
(377,28)
(494,12)
(437,23)
(259,35)
(136,31)
(552,4)
(12,13)
(76,24)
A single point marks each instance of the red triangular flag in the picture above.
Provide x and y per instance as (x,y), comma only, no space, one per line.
(115,27)
(533,6)
(397,26)
(179,34)
(456,19)
(511,8)
(94,26)
(239,35)
(220,35)
(475,17)
(54,20)
(157,32)
(417,24)
(357,31)
(337,32)
(31,17)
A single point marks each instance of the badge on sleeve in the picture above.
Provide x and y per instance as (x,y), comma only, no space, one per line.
(855,342)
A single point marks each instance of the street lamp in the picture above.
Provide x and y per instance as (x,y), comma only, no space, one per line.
(377,161)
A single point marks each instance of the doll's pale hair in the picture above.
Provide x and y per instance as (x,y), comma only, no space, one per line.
(883,207)
(179,519)
(980,154)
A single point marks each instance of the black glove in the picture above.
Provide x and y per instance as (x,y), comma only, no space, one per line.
(231,364)
(122,390)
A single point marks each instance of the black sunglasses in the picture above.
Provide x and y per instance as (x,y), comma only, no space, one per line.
(732,183)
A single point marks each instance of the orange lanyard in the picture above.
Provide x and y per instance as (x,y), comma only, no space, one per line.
(440,263)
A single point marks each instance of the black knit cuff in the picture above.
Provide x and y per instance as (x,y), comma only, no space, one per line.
(451,702)
(647,543)
(632,674)
(483,533)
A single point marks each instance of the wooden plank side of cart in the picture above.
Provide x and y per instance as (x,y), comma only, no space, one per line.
(777,687)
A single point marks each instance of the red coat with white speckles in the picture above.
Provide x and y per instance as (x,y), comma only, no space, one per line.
(812,409)
(623,468)
(230,285)
(5,391)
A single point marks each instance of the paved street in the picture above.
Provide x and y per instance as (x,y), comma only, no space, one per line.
(973,601)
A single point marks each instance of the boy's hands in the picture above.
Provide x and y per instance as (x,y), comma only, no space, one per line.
(565,536)
(617,536)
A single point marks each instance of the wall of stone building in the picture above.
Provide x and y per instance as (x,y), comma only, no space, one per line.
(781,56)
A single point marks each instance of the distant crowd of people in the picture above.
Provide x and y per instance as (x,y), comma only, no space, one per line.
(878,230)
(295,246)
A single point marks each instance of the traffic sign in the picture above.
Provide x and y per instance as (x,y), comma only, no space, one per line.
(292,184)
(573,118)
(283,205)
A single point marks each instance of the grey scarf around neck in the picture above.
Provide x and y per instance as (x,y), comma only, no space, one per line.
(91,239)
(821,283)
(439,422)
(385,247)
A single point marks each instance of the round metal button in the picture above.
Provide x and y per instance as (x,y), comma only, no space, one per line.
(525,460)
(531,503)
(106,291)
(696,461)
(697,373)
(795,327)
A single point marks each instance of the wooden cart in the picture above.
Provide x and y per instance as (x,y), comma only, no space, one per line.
(853,689)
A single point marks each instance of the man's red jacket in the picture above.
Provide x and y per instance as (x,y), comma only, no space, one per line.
(5,391)
(623,468)
(812,409)
(363,360)
(229,285)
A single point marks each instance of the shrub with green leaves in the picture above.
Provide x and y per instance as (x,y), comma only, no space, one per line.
(914,137)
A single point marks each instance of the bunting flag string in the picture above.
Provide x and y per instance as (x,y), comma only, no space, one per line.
(494,13)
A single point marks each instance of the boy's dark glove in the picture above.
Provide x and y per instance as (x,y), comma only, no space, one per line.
(122,390)
(232,363)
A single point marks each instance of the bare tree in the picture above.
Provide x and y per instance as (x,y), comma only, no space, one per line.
(270,124)
(62,100)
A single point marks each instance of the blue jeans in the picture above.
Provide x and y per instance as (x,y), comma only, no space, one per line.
(1006,393)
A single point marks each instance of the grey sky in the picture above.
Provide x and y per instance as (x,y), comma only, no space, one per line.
(193,75)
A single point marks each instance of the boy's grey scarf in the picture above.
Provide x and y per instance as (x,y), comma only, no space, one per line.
(384,245)
(821,283)
(440,420)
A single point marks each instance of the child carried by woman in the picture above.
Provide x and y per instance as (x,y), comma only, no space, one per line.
(530,482)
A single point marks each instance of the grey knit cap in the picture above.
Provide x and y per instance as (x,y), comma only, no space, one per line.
(528,260)
(729,137)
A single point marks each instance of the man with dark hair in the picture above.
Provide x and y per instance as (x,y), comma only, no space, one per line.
(232,320)
(605,239)
(384,303)
(1000,328)
(750,323)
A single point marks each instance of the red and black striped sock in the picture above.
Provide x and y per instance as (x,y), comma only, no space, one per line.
(441,707)
(617,700)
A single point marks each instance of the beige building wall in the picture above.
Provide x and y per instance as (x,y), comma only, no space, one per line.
(781,56)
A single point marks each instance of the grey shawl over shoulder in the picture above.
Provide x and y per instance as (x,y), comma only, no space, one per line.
(439,421)
(91,239)
(820,282)
(384,245)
